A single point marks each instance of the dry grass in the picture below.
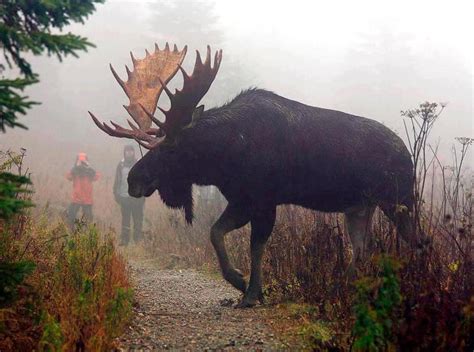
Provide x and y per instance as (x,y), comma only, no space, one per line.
(77,298)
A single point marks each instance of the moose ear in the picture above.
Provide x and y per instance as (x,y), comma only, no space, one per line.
(197,113)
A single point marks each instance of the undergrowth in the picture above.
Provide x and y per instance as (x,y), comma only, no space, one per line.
(78,297)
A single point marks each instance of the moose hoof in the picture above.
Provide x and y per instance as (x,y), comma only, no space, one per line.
(246,303)
(250,300)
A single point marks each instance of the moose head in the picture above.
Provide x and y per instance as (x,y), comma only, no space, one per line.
(162,168)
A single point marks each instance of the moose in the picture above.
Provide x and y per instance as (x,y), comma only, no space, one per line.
(260,150)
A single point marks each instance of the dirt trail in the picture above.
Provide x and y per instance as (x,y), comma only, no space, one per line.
(184,310)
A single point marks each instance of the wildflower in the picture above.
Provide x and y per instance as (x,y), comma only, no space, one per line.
(454,266)
(465,141)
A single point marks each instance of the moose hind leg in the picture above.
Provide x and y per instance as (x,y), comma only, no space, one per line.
(262,222)
(232,218)
(358,221)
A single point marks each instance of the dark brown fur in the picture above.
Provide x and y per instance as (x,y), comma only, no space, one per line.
(262,150)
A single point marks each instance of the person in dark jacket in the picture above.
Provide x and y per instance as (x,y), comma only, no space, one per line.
(82,175)
(130,207)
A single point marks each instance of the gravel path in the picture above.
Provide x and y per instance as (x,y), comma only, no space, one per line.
(188,310)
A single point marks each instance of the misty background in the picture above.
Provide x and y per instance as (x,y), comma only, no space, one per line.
(367,58)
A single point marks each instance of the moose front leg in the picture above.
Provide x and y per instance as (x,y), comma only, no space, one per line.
(232,218)
(262,222)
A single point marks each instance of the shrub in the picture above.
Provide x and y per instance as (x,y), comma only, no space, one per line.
(375,305)
(78,298)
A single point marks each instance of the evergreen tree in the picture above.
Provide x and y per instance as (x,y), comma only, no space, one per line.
(33,27)
(27,27)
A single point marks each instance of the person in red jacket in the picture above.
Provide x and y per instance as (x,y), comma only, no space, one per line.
(82,175)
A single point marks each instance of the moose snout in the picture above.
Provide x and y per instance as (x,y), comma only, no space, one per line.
(138,190)
(135,190)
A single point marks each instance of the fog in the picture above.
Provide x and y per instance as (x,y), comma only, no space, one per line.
(367,58)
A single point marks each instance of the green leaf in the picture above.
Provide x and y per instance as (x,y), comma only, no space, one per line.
(12,275)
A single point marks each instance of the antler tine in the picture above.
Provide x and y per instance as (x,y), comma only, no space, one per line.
(198,61)
(185,74)
(163,110)
(132,126)
(208,57)
(143,136)
(117,127)
(121,132)
(101,125)
(153,118)
(133,59)
(98,123)
(165,88)
(135,133)
(119,80)
(129,73)
(217,59)
(127,109)
(152,144)
(185,50)
(95,119)
(149,132)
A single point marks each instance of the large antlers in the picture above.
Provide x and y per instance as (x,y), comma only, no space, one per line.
(184,101)
(145,85)
(143,89)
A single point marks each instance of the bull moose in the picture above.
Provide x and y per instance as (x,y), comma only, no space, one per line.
(260,150)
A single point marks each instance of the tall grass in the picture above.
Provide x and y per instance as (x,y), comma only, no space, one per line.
(78,297)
